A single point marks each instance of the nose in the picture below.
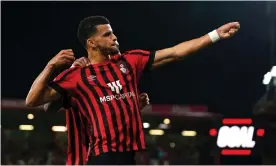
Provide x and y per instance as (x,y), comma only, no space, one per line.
(114,37)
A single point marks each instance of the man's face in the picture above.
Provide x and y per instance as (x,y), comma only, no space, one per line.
(105,40)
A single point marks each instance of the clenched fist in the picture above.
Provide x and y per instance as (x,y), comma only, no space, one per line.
(63,58)
(228,30)
(143,100)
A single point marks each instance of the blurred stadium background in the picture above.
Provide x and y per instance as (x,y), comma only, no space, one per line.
(187,98)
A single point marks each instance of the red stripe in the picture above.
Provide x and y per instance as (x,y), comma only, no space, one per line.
(88,153)
(77,141)
(69,154)
(83,138)
(90,118)
(141,132)
(69,159)
(137,111)
(63,75)
(134,121)
(84,152)
(106,107)
(236,152)
(233,121)
(137,119)
(127,118)
(117,112)
(81,129)
(99,115)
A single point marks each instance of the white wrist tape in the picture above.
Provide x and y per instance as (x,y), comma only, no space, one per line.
(214,36)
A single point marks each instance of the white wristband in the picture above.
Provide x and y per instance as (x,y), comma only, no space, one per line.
(214,36)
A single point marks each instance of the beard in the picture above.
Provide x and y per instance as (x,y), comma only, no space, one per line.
(114,50)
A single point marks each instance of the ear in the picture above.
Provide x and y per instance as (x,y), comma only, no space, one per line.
(91,43)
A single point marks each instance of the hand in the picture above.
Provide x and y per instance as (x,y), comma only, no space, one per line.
(143,100)
(228,30)
(64,57)
(82,62)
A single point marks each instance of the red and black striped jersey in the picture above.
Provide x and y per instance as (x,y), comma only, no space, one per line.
(107,94)
(78,139)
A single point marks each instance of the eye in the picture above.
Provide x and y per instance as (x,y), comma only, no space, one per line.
(107,34)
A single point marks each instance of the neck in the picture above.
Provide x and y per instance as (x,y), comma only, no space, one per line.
(96,57)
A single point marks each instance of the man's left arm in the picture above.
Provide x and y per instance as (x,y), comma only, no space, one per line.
(181,50)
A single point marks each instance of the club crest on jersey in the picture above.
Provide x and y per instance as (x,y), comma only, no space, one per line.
(123,67)
(91,78)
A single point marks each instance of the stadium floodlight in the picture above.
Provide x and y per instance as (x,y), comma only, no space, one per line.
(59,128)
(273,71)
(146,125)
(156,132)
(26,127)
(166,121)
(188,133)
(267,78)
(269,75)
(30,116)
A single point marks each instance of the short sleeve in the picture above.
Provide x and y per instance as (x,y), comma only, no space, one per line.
(141,59)
(66,81)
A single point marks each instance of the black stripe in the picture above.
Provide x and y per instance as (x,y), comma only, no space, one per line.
(124,100)
(113,115)
(72,136)
(150,61)
(78,125)
(83,135)
(102,110)
(113,73)
(88,128)
(66,103)
(58,88)
(137,53)
(136,111)
(87,123)
(92,110)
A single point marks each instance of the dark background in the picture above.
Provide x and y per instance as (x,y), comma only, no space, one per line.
(226,76)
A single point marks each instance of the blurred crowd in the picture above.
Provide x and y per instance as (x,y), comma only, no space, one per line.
(17,149)
(33,148)
(49,148)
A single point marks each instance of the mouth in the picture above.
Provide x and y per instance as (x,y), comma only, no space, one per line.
(115,45)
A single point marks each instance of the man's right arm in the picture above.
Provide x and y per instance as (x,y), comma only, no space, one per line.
(40,92)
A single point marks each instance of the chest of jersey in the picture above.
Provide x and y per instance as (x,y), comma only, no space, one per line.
(114,81)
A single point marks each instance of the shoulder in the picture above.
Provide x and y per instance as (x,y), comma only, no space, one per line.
(137,52)
(70,72)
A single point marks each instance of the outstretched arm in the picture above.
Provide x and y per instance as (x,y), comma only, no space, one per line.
(40,92)
(181,50)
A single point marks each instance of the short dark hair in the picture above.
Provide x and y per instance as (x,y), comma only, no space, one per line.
(87,27)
